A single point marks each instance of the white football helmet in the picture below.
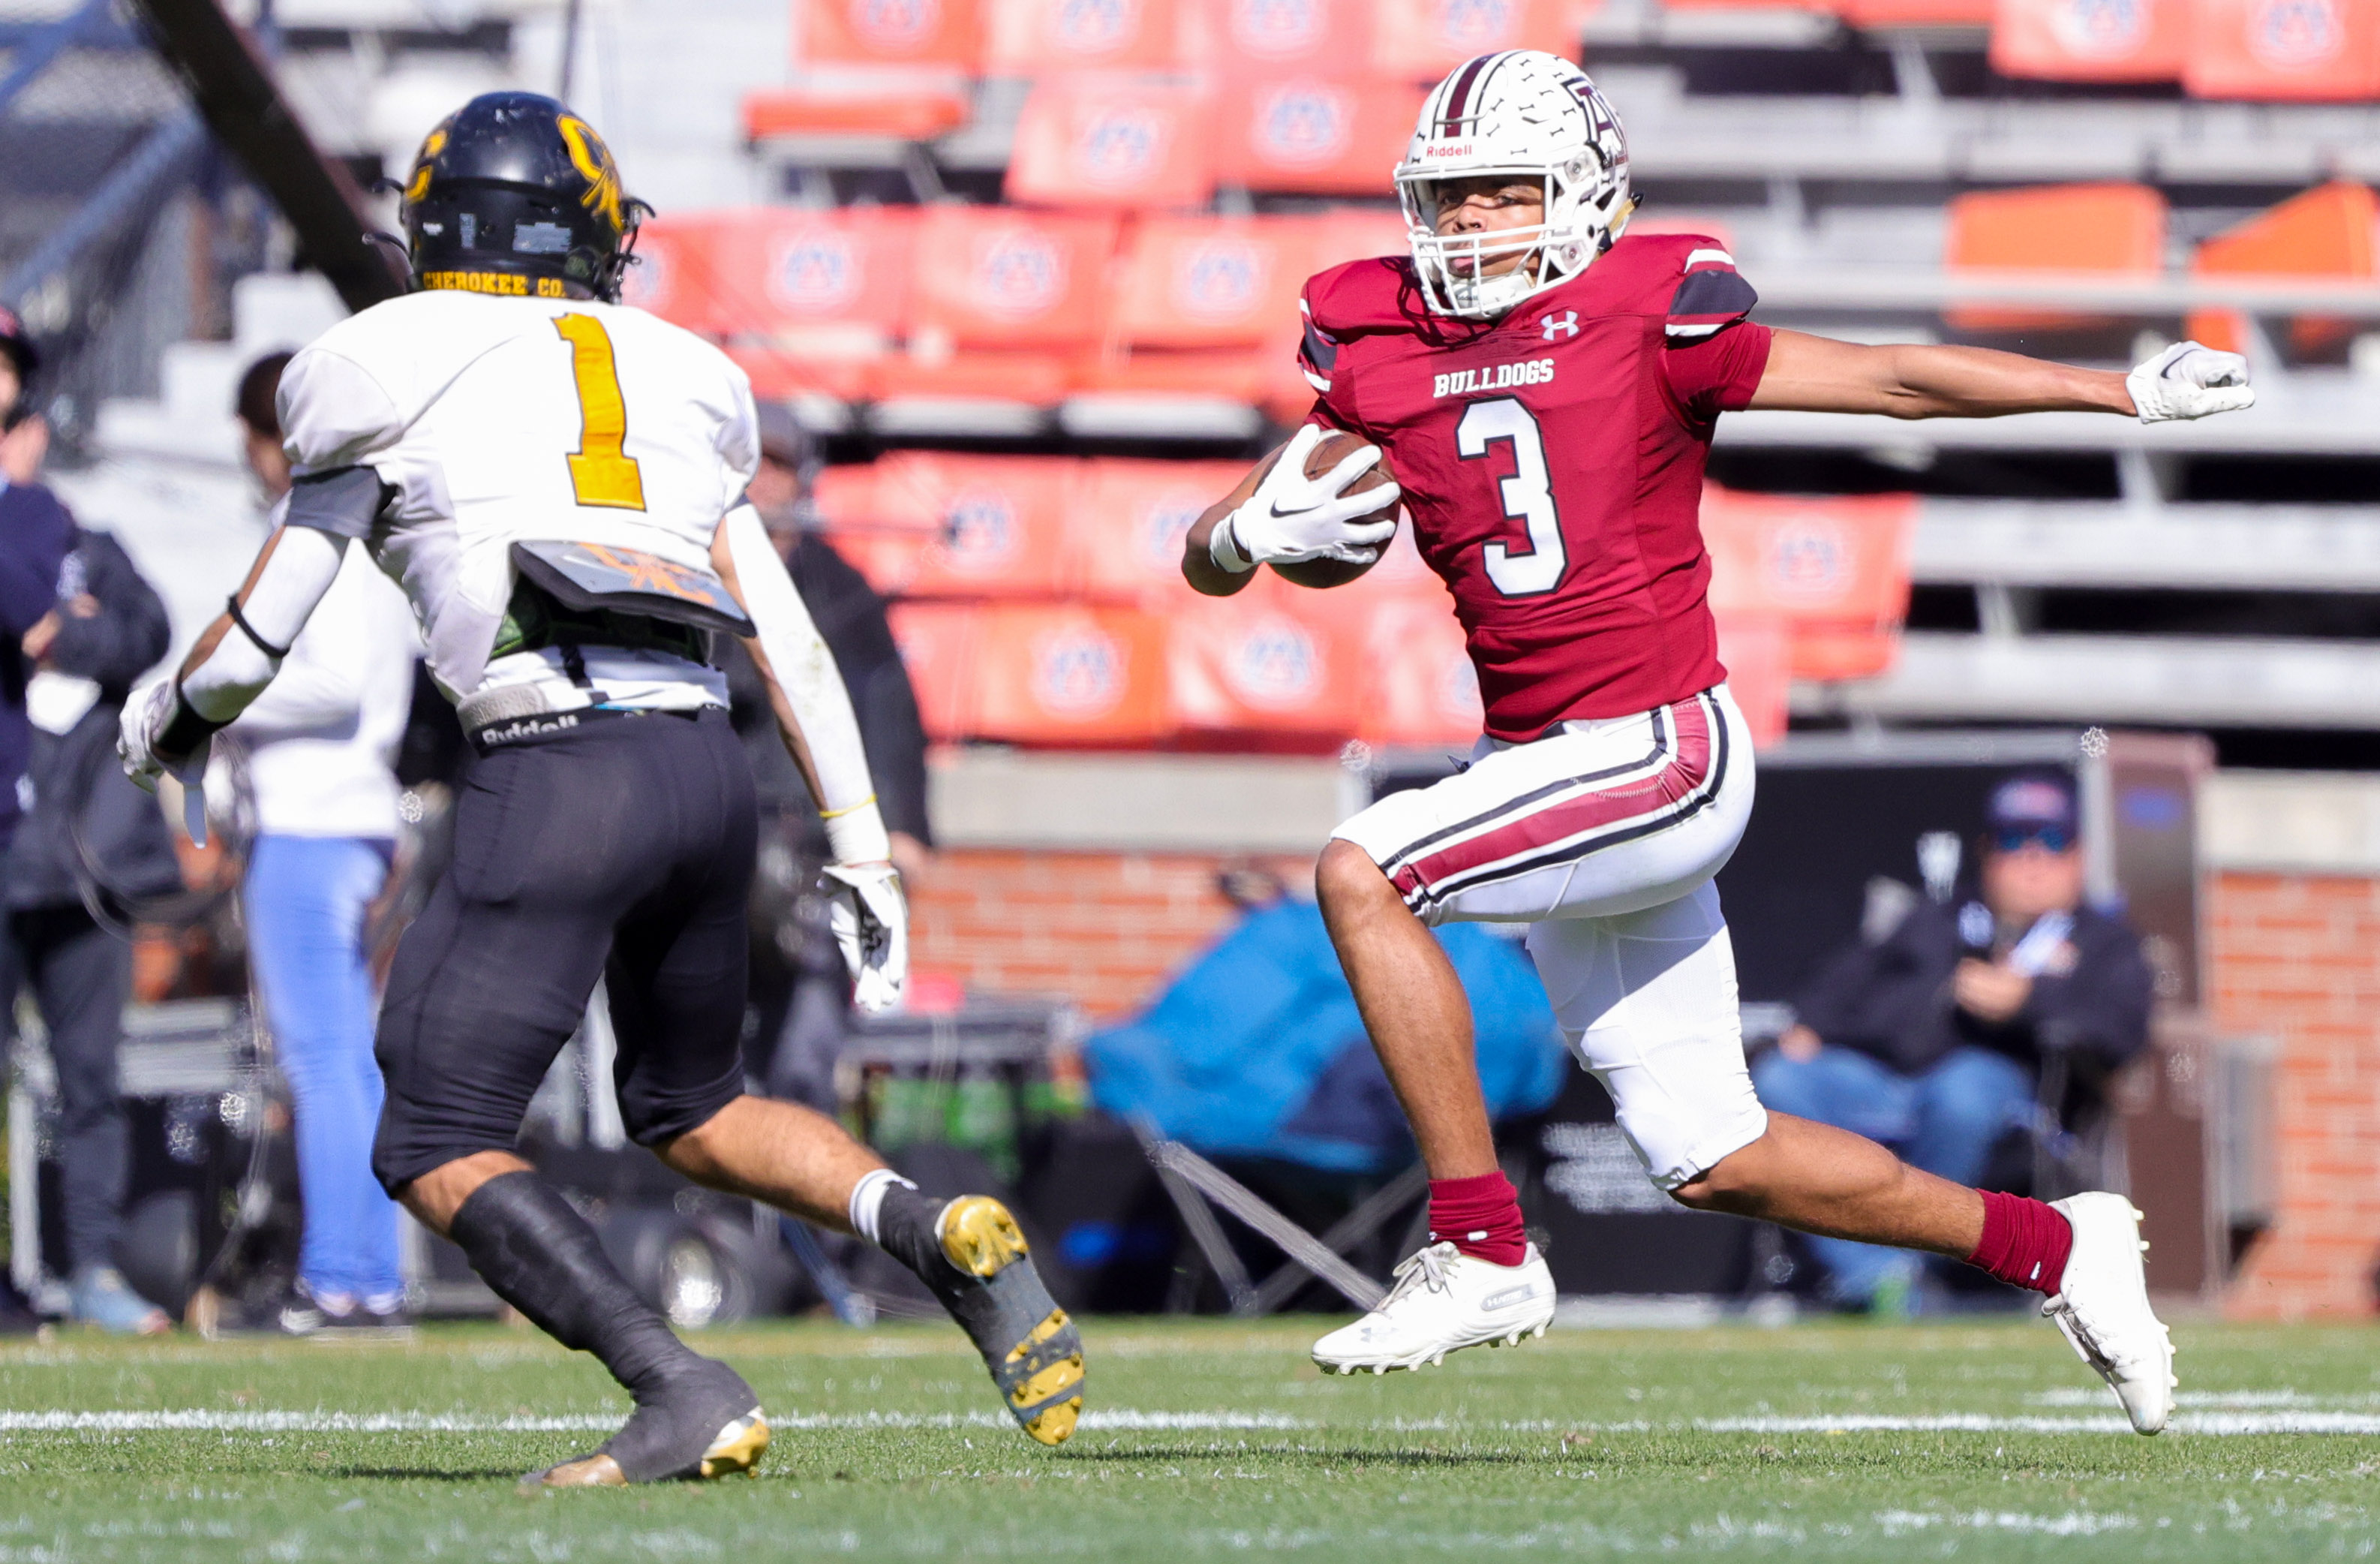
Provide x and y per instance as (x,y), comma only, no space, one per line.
(1519,112)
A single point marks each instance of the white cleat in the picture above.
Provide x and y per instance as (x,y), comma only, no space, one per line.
(2103,1306)
(1443,1302)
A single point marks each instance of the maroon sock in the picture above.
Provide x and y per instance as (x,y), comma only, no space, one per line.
(2025,1243)
(1480,1217)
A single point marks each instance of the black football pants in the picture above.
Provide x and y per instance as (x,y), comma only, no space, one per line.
(620,848)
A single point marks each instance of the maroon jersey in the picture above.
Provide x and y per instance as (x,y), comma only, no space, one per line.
(1552,463)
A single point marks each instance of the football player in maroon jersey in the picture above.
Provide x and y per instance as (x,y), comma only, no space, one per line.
(1544,389)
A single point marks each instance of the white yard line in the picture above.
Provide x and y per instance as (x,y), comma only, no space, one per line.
(2219,1423)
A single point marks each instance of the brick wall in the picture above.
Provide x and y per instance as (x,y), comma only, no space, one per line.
(1106,930)
(2297,958)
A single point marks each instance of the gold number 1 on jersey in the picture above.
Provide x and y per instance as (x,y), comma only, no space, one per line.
(598,473)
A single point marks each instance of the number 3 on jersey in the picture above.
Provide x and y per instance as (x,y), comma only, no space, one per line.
(599,474)
(1527,495)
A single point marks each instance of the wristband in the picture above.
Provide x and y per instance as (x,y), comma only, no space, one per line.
(856,833)
(1224,549)
(184,731)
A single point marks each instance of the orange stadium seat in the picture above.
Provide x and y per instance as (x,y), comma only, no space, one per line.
(1757,649)
(2327,232)
(1006,305)
(1069,675)
(1036,37)
(1358,233)
(1114,141)
(2091,41)
(1419,687)
(913,32)
(991,278)
(1263,663)
(1313,134)
(887,551)
(1127,521)
(1253,38)
(1421,40)
(672,276)
(937,642)
(2113,229)
(1915,13)
(2326,50)
(903,112)
(832,284)
(996,526)
(1212,282)
(1835,571)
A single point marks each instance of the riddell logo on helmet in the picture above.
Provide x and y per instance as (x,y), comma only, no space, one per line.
(1448,148)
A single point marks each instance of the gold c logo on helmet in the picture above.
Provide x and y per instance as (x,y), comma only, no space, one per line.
(431,145)
(594,159)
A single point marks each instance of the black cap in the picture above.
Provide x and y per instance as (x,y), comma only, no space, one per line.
(2032,803)
(18,343)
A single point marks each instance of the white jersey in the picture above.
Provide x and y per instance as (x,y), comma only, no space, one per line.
(498,420)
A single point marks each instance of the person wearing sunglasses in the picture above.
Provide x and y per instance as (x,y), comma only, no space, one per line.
(1930,1036)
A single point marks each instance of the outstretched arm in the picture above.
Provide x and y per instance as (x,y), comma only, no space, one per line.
(813,709)
(1809,373)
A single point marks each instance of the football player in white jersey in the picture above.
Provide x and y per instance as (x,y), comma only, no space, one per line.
(557,483)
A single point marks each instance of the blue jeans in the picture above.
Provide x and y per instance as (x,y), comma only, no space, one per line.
(307,897)
(1943,1120)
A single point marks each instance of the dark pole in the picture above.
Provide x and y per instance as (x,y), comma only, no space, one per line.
(235,92)
(569,48)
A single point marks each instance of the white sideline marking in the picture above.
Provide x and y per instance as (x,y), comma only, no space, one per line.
(2229,1423)
(2221,1424)
(211,1422)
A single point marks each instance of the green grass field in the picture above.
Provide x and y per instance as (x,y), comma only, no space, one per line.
(1211,1440)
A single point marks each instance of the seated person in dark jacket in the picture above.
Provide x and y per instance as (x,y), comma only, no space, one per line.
(1931,1040)
(800,993)
(85,840)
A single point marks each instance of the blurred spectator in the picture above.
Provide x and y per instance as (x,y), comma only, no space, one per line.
(1932,1039)
(314,754)
(800,991)
(83,625)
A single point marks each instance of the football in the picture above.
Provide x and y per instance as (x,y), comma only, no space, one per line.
(1333,450)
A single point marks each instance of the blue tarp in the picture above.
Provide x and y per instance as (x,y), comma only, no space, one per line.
(1258,1049)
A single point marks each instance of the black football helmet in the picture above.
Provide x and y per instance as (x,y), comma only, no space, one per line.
(513,193)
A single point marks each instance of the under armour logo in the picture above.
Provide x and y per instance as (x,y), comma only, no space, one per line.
(1563,325)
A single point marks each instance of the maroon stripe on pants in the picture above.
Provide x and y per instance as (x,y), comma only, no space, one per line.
(1688,769)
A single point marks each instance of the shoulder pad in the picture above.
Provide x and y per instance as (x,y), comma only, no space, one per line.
(1362,297)
(1691,279)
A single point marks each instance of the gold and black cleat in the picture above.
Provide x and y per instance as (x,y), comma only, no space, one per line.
(736,1450)
(976,1260)
(697,1424)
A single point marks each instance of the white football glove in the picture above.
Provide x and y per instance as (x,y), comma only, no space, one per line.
(146,712)
(1291,517)
(2189,381)
(870,921)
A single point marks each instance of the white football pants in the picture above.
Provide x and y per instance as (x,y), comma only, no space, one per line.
(1603,836)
